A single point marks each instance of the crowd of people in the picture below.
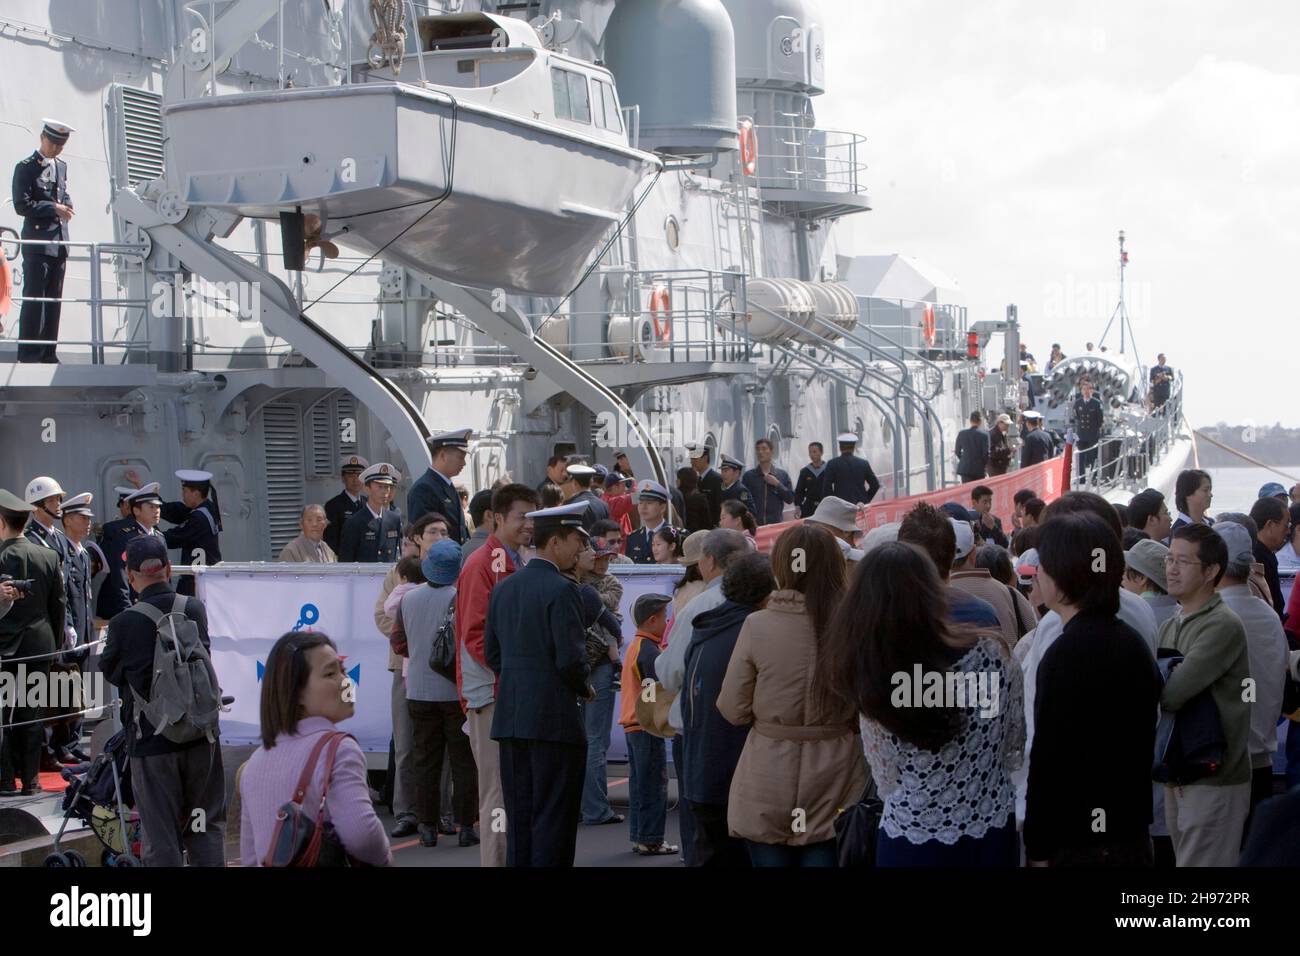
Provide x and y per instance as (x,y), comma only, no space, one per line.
(938,664)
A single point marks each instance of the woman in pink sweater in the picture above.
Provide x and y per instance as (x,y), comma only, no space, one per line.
(305,692)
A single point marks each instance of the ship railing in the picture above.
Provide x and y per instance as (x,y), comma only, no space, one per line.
(1126,459)
(704,318)
(899,325)
(92,306)
(798,156)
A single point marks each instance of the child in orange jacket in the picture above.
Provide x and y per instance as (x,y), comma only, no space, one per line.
(647,755)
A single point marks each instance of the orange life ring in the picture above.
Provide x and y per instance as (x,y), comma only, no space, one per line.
(659,312)
(927,325)
(6,285)
(748,148)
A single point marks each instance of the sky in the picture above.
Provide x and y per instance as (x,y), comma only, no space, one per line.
(1009,142)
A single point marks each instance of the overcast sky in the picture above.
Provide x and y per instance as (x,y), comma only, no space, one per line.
(1010,141)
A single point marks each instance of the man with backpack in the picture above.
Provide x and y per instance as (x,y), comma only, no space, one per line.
(157,654)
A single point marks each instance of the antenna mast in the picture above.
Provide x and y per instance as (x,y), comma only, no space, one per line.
(1121,309)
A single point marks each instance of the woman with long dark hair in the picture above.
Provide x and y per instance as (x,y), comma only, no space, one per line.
(802,762)
(942,714)
(1193,492)
(305,694)
(737,517)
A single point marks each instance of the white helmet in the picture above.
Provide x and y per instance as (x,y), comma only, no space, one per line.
(38,489)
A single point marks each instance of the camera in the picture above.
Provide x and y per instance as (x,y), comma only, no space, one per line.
(23,587)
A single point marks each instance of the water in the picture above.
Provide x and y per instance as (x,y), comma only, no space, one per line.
(1235,489)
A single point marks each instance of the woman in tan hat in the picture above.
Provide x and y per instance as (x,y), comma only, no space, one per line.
(692,583)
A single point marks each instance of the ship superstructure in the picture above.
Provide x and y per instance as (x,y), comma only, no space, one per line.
(574,226)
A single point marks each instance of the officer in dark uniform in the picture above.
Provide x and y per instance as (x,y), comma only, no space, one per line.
(40,193)
(435,490)
(45,496)
(578,488)
(733,489)
(197,517)
(347,502)
(146,505)
(849,477)
(534,639)
(112,542)
(1088,423)
(652,507)
(374,534)
(710,480)
(76,570)
(1037,445)
(33,626)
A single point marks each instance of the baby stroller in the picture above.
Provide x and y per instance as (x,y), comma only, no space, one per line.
(100,796)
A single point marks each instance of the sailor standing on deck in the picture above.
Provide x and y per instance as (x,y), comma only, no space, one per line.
(347,502)
(374,534)
(1089,419)
(733,489)
(40,193)
(198,523)
(1037,445)
(710,480)
(112,542)
(45,496)
(535,641)
(849,477)
(577,490)
(652,508)
(146,505)
(77,516)
(435,490)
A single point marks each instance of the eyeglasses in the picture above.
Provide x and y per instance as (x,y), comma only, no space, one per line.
(1181,562)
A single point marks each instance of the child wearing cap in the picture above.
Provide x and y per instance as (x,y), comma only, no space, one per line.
(647,757)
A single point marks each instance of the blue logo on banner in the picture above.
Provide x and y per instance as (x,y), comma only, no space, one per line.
(307,616)
(354,674)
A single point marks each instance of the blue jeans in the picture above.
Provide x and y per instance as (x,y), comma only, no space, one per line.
(648,787)
(599,717)
(810,854)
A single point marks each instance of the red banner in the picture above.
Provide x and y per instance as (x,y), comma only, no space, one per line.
(1044,480)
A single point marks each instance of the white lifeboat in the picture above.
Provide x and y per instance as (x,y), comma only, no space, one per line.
(442,176)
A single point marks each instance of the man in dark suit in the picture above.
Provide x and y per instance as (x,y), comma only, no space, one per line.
(534,639)
(849,477)
(1037,446)
(347,502)
(710,480)
(577,490)
(33,626)
(198,524)
(112,542)
(374,534)
(40,192)
(972,450)
(768,485)
(810,489)
(1089,419)
(652,508)
(435,490)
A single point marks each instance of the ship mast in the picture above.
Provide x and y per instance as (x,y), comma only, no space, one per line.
(1121,309)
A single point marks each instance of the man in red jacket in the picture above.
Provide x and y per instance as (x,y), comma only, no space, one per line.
(484,569)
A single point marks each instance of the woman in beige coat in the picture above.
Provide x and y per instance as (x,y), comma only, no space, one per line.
(801,764)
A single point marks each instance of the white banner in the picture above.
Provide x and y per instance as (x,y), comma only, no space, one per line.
(249,608)
(251,605)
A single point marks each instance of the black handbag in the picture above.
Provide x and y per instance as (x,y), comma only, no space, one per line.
(442,654)
(857,828)
(301,840)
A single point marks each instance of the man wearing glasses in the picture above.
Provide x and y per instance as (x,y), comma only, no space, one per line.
(1206,818)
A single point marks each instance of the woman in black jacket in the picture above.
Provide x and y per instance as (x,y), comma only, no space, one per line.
(695,502)
(1089,798)
(711,745)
